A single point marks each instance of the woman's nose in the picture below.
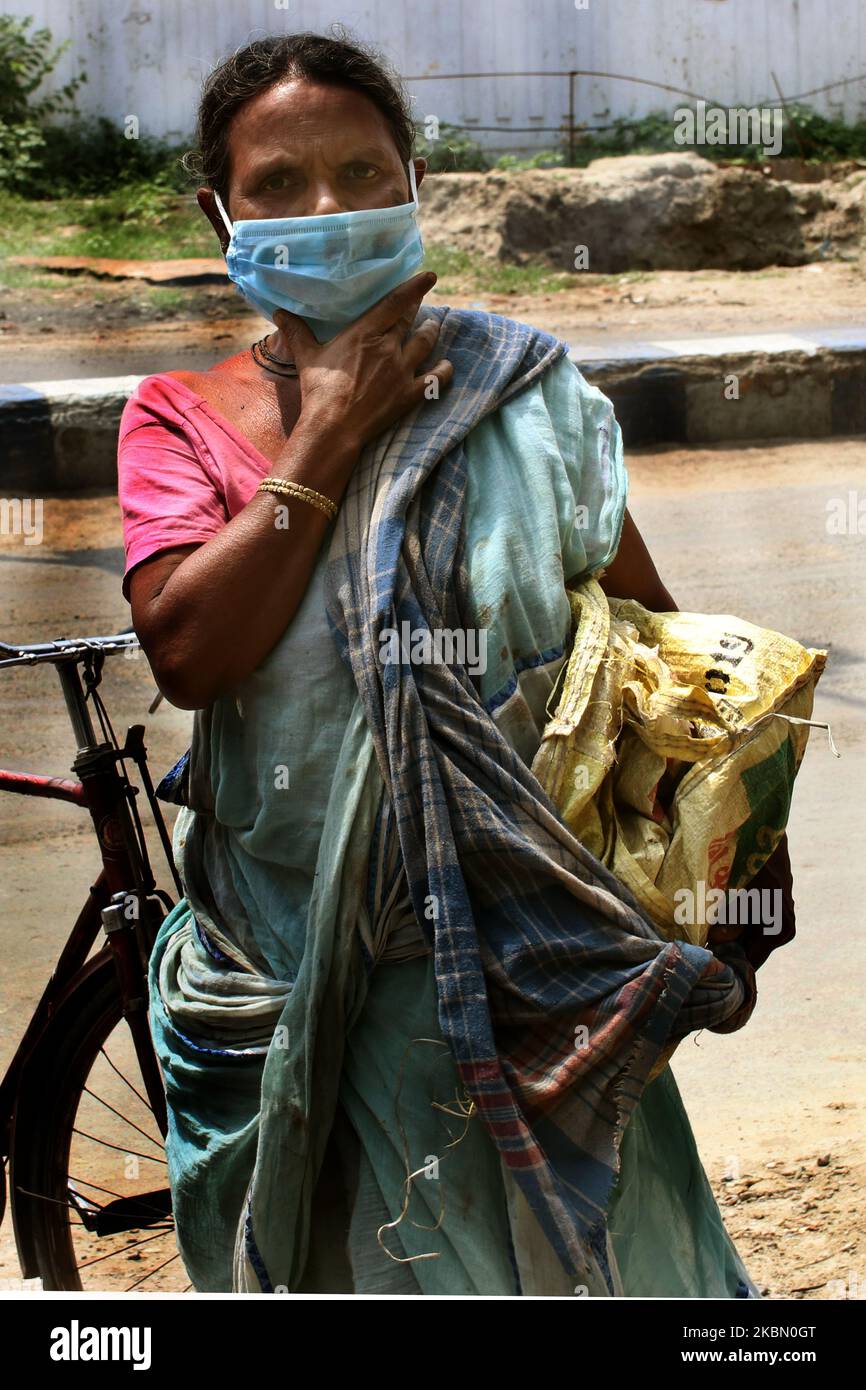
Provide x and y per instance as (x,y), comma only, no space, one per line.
(322,200)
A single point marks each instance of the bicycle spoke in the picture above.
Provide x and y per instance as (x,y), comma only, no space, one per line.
(169,1261)
(83,1182)
(43,1197)
(115,1254)
(120,1148)
(94,1231)
(113,1235)
(145,1102)
(59,1202)
(125,1118)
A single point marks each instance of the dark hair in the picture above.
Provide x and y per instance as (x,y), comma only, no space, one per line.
(263,63)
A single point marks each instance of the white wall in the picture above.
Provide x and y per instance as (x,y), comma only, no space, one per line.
(147,57)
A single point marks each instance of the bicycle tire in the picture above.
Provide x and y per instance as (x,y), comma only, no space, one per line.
(52,1086)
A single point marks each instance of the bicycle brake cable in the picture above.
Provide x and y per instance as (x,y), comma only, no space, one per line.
(93,667)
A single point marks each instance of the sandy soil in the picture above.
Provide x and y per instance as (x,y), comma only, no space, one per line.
(799,1225)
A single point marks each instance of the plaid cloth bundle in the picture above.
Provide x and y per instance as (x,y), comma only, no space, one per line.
(556,995)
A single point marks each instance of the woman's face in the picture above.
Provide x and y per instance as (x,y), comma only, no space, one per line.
(305,149)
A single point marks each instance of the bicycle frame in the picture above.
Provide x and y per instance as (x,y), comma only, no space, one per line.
(125,888)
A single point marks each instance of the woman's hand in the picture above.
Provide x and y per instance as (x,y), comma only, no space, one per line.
(364,380)
(207,615)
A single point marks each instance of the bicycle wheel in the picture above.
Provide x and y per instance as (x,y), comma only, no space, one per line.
(88,1177)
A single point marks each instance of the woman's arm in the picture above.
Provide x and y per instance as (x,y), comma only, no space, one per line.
(632,574)
(207,615)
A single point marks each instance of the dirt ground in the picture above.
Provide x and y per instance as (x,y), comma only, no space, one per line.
(800,1209)
(79,326)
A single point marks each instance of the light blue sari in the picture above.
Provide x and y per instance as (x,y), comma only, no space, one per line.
(274,851)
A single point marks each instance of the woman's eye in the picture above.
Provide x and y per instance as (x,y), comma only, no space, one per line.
(274,181)
(362,171)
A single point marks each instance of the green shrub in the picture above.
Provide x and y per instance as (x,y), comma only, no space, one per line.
(26,59)
(805,133)
(821,137)
(544,159)
(452,152)
(96,156)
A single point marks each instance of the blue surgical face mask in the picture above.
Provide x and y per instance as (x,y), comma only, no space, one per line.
(329,270)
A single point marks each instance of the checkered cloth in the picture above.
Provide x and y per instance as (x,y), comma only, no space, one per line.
(556,995)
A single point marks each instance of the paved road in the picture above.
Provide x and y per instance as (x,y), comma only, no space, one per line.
(744,531)
(733,530)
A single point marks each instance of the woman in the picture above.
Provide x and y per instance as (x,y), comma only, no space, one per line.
(406,1023)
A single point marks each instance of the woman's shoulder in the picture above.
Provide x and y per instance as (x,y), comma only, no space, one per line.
(203,384)
(168,397)
(191,401)
(162,398)
(475,323)
(485,324)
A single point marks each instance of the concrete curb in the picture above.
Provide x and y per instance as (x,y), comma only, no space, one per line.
(710,397)
(61,436)
(806,384)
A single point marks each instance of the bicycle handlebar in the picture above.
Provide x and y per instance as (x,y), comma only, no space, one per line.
(65,649)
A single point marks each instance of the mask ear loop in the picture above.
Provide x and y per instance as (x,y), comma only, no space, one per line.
(412,182)
(219,202)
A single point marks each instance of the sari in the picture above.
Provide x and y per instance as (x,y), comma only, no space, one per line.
(388,940)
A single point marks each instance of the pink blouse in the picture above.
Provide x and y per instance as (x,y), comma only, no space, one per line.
(183,470)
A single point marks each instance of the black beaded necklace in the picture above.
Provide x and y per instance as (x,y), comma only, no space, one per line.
(263,357)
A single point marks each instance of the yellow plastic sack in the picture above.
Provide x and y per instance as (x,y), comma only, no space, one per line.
(671,754)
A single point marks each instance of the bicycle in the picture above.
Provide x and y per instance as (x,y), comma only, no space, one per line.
(62,1081)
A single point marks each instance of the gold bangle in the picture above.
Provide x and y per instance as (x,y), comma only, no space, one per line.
(285,487)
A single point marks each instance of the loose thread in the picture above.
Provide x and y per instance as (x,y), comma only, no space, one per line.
(466,1109)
